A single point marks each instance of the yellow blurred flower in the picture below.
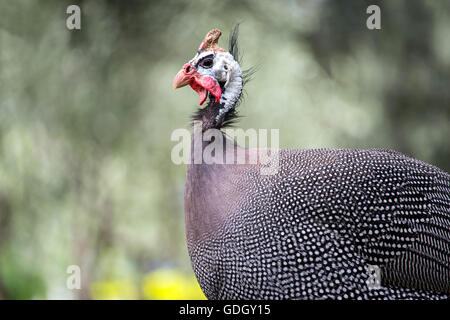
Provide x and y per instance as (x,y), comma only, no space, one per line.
(170,284)
(114,290)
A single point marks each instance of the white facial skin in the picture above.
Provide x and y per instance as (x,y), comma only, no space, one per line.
(222,68)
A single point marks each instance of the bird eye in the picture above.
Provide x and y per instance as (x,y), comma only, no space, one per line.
(207,63)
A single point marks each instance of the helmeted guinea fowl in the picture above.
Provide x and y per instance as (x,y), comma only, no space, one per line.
(311,230)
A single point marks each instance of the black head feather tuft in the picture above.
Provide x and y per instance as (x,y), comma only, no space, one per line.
(233,47)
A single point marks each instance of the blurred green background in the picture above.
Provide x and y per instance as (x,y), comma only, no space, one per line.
(86,117)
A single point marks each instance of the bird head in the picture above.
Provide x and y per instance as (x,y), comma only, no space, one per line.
(212,71)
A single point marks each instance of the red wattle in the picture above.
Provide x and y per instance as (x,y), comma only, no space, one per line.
(202,84)
(200,91)
(212,86)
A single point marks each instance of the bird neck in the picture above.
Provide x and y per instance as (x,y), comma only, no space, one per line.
(218,115)
(202,194)
(207,187)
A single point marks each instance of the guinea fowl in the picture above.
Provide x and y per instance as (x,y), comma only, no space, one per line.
(313,229)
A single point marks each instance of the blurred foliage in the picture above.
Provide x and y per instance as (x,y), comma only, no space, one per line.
(86,118)
(20,281)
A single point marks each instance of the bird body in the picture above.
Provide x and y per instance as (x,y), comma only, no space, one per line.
(312,230)
(315,228)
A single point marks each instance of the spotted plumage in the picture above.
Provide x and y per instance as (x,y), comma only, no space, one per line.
(315,228)
(312,230)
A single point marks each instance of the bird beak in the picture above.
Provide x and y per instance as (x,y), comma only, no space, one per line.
(199,83)
(183,77)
